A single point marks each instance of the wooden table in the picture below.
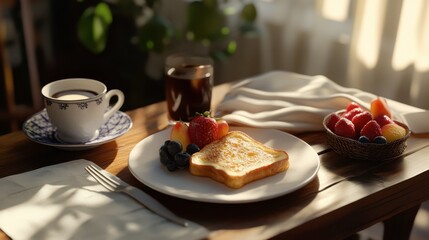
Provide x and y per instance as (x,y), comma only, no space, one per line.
(346,196)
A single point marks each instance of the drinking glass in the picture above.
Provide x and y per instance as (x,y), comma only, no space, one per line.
(189,84)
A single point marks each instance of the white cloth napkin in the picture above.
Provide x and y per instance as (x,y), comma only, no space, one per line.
(293,102)
(64,202)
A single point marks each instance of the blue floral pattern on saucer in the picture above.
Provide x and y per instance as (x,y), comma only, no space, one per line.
(39,129)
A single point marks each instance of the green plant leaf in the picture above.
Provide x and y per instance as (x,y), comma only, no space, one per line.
(205,20)
(211,4)
(93,27)
(223,54)
(155,35)
(231,47)
(249,13)
(128,8)
(102,11)
(151,3)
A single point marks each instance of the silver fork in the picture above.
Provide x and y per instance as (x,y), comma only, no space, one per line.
(115,184)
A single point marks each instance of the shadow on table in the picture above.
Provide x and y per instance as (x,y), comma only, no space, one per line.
(214,215)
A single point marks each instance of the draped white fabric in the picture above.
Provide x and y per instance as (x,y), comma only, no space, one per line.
(379,46)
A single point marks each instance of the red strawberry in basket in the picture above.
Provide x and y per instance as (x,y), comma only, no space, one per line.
(383,120)
(345,128)
(331,120)
(360,119)
(371,130)
(203,130)
(352,105)
(350,114)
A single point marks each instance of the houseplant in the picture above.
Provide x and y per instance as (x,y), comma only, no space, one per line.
(156,28)
(206,24)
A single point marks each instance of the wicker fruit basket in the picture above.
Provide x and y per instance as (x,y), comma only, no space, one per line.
(354,149)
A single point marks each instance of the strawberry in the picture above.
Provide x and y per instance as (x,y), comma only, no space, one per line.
(350,114)
(331,120)
(360,119)
(345,128)
(203,130)
(383,120)
(351,106)
(371,130)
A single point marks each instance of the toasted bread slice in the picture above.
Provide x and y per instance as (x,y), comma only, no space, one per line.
(237,159)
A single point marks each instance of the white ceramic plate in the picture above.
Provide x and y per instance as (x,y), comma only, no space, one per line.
(144,164)
(39,129)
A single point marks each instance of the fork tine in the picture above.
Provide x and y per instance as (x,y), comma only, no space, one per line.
(119,186)
(99,172)
(100,179)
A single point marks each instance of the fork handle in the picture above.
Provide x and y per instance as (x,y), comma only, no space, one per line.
(153,205)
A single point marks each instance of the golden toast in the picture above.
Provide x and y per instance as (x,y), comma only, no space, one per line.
(237,159)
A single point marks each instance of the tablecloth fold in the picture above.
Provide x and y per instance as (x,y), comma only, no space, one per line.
(293,102)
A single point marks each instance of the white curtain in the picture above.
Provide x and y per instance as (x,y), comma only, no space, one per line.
(380,46)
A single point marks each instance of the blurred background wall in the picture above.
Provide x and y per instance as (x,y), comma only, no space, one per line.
(379,46)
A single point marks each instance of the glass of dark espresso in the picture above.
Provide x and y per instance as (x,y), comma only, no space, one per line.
(189,83)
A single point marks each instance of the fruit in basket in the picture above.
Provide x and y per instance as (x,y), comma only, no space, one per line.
(180,133)
(367,124)
(371,130)
(345,128)
(393,131)
(349,115)
(379,107)
(351,106)
(364,139)
(380,138)
(383,120)
(332,120)
(360,120)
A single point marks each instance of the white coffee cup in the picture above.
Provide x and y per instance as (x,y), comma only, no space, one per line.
(78,107)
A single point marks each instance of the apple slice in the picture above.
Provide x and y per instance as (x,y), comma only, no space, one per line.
(179,133)
(222,128)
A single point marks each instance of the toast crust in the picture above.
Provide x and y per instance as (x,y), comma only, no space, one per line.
(237,159)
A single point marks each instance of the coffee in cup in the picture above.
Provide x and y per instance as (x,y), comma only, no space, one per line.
(78,107)
(77,94)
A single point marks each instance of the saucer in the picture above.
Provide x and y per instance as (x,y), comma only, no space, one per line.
(39,129)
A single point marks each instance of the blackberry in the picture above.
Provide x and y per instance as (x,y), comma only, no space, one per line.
(171,166)
(182,159)
(164,157)
(174,147)
(192,148)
